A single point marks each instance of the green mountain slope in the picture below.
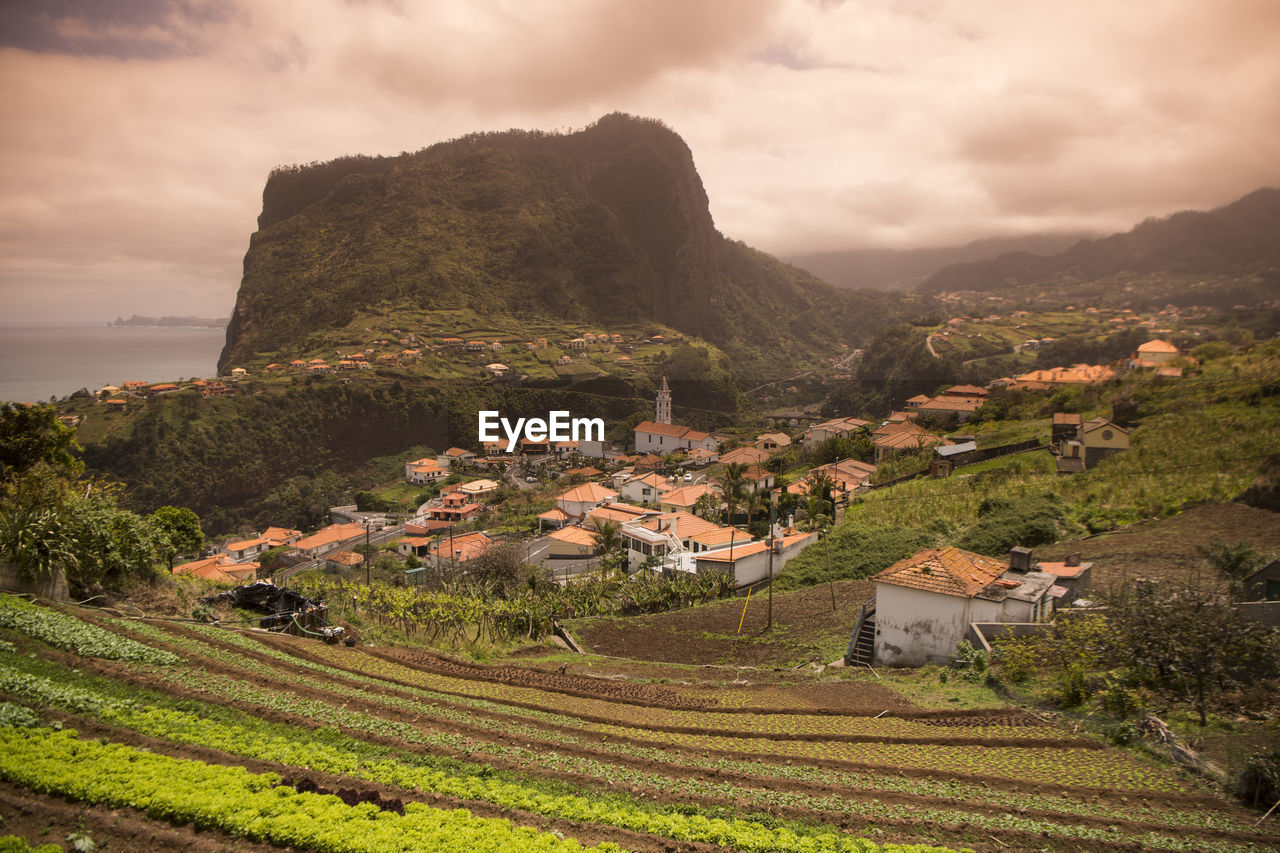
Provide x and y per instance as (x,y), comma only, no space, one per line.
(1235,247)
(607,224)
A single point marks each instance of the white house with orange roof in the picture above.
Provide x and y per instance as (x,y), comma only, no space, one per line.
(818,433)
(925,603)
(645,489)
(330,538)
(425,470)
(580,500)
(1153,353)
(654,437)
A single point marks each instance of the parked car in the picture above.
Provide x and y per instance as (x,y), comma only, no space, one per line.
(531,479)
(688,478)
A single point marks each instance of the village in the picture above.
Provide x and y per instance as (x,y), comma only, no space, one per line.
(679,500)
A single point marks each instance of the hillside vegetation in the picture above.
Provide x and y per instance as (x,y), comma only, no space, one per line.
(1200,439)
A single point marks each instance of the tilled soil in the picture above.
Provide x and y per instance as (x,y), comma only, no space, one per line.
(805,629)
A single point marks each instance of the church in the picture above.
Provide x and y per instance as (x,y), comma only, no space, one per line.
(662,437)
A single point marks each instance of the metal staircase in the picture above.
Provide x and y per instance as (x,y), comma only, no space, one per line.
(862,645)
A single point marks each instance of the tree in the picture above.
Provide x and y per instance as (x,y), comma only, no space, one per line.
(707,505)
(30,435)
(733,485)
(181,527)
(609,546)
(820,512)
(1191,643)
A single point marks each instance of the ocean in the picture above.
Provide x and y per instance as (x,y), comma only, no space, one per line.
(38,361)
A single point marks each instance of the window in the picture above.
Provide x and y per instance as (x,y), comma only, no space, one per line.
(1106,435)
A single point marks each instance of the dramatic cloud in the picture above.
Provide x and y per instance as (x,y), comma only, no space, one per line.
(139,133)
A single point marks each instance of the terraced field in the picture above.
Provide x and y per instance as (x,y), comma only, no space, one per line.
(170,735)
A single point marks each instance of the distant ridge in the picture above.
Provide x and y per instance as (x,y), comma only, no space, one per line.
(200,322)
(1239,239)
(903,269)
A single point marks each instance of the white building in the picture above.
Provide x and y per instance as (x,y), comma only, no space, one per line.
(925,603)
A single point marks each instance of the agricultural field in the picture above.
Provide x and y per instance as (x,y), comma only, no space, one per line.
(166,734)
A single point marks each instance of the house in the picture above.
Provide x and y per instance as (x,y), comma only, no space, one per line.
(1072,575)
(965,391)
(587,472)
(748,455)
(1094,441)
(454,454)
(580,500)
(117,404)
(749,562)
(818,433)
(645,489)
(444,550)
(424,470)
(553,518)
(108,391)
(773,442)
(163,388)
(848,474)
(925,603)
(1066,427)
(242,550)
(757,479)
(686,498)
(619,513)
(475,346)
(945,405)
(571,542)
(894,438)
(1153,353)
(654,437)
(498,370)
(330,538)
(477,488)
(343,560)
(278,537)
(219,568)
(455,507)
(1079,374)
(1264,584)
(917,401)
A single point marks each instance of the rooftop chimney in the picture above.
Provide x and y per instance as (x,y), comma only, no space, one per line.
(1020,559)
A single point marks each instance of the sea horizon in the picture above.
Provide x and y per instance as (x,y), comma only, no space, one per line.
(40,360)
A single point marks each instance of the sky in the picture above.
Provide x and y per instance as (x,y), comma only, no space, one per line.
(139,133)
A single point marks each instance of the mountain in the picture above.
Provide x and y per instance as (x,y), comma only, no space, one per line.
(903,269)
(610,223)
(1232,243)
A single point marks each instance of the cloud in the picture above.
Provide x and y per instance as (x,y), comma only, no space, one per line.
(141,141)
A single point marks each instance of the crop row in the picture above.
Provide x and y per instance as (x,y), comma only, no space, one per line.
(243,804)
(192,729)
(232,736)
(1064,766)
(71,634)
(756,725)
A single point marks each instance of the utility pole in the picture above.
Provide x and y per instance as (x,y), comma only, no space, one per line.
(368,579)
(773,507)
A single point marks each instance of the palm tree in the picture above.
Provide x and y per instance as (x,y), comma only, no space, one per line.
(608,545)
(734,486)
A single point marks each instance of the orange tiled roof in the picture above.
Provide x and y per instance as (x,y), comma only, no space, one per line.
(574,536)
(722,556)
(686,496)
(218,568)
(687,524)
(328,535)
(588,493)
(1158,346)
(948,571)
(745,455)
